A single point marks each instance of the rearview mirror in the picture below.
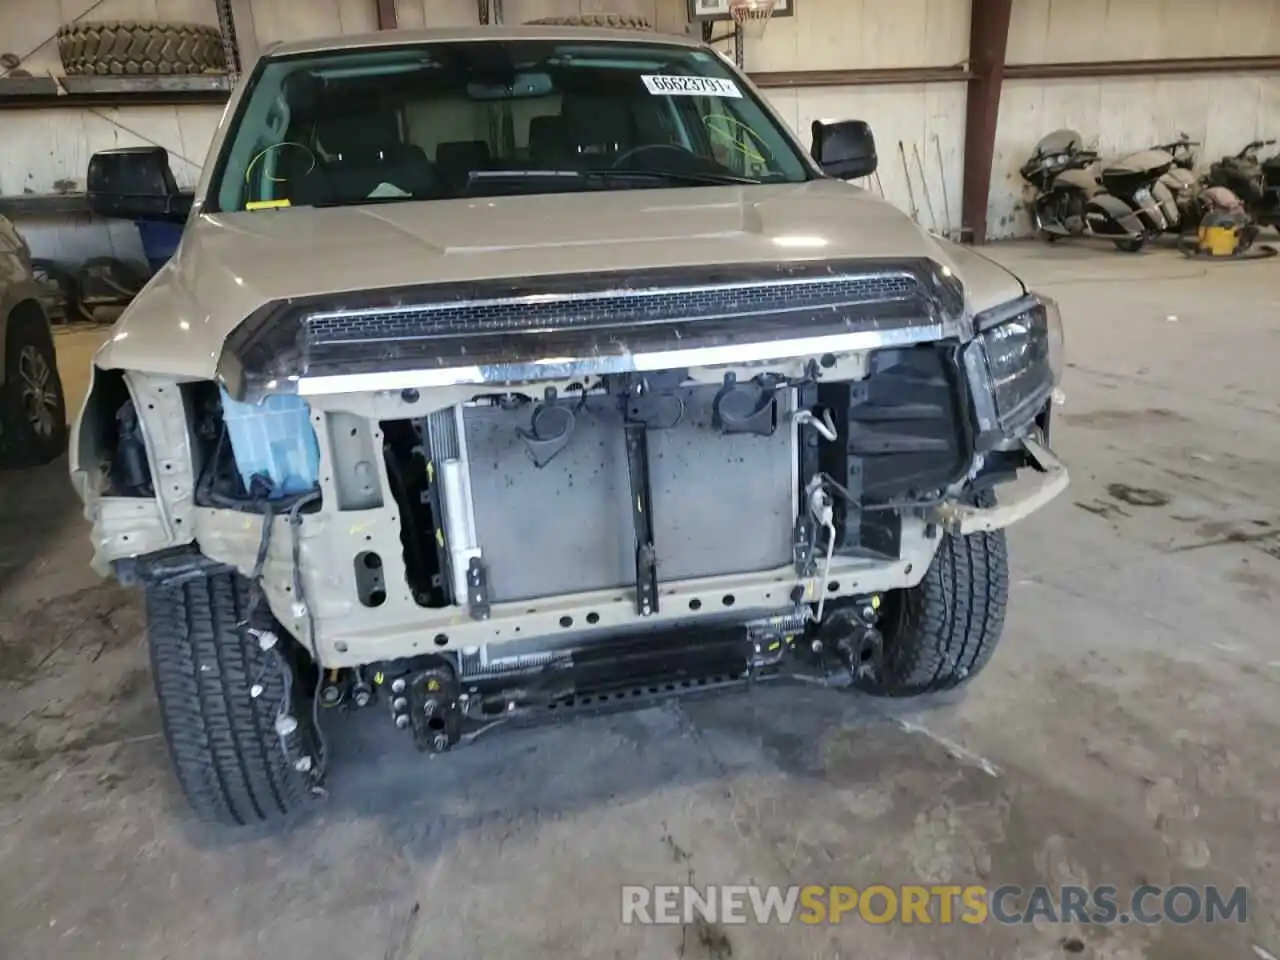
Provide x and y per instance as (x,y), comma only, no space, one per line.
(845,149)
(135,183)
(521,86)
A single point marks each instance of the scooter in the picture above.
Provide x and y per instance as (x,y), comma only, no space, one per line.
(1071,202)
(1256,182)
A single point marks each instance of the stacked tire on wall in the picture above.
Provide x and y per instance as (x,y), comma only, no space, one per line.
(128,47)
(611,21)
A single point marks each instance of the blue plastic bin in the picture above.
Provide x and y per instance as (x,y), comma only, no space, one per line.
(274,438)
(159,241)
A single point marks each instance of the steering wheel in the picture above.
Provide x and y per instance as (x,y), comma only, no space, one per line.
(681,152)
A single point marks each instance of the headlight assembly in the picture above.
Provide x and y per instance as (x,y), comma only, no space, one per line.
(1014,363)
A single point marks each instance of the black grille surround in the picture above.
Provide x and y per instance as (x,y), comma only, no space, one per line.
(614,307)
(609,314)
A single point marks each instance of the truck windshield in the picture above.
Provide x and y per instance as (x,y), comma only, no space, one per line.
(489,117)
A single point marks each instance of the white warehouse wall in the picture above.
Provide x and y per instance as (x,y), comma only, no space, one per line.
(667,16)
(925,117)
(39,148)
(42,148)
(1121,115)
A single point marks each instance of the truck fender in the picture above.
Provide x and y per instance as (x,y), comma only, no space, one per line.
(1118,211)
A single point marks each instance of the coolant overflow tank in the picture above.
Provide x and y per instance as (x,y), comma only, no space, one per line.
(273,439)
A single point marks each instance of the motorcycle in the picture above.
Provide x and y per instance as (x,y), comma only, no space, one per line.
(1071,201)
(1135,179)
(1256,182)
(1179,191)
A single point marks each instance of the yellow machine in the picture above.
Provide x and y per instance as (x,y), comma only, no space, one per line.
(1225,232)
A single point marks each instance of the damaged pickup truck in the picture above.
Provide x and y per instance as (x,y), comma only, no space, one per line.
(507,373)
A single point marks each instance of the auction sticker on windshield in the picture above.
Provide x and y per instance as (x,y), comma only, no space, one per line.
(690,86)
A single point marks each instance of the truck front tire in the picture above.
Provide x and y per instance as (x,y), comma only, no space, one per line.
(942,632)
(230,760)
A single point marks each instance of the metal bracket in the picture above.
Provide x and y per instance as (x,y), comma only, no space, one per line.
(642,519)
(478,589)
(807,465)
(803,540)
(852,633)
(433,710)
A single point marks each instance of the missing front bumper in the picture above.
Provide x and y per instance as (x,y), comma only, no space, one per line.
(447,707)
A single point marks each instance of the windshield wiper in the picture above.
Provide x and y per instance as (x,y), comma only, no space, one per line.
(521,175)
(360,201)
(672,176)
(675,176)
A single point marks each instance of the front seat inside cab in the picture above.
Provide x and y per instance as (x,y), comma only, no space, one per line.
(361,154)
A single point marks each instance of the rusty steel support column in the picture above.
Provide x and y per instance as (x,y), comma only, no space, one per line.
(988,43)
(239,36)
(230,48)
(386,10)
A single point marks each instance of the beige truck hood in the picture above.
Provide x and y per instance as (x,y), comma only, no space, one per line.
(228,265)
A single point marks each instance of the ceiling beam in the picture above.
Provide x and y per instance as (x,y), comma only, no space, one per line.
(1178,66)
(386,10)
(859,77)
(988,45)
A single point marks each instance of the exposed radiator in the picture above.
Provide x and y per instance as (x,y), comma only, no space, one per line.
(442,434)
(448,456)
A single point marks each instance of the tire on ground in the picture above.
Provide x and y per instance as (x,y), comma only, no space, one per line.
(30,362)
(942,632)
(614,21)
(223,742)
(120,47)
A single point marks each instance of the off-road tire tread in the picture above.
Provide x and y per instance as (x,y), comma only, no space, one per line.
(222,741)
(132,47)
(951,622)
(20,446)
(612,21)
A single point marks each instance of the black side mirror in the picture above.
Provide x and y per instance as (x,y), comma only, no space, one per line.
(845,149)
(135,183)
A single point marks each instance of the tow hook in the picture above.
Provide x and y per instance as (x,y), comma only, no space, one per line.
(852,633)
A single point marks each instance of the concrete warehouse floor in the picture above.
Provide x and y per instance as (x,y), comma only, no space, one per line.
(1127,731)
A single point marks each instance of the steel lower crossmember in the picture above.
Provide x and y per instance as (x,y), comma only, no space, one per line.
(446,702)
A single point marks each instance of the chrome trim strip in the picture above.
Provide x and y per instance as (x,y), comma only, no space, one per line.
(563,367)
